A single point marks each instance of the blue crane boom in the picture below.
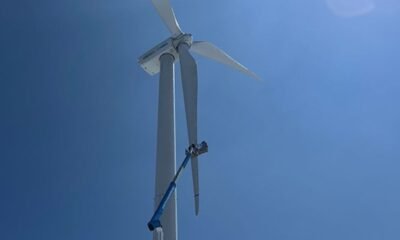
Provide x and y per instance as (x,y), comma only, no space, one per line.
(193,151)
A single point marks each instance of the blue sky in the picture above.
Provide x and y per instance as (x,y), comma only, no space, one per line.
(311,152)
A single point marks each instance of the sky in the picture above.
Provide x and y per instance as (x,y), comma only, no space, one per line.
(310,152)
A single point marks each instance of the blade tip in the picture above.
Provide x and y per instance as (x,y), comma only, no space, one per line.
(197,203)
(197,211)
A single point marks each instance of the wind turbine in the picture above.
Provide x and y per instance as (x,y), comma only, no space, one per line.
(160,59)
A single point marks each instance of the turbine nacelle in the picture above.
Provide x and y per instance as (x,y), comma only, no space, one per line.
(150,61)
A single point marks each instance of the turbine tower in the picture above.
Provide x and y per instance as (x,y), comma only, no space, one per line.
(160,59)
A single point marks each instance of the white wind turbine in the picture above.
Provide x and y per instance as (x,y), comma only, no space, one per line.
(160,59)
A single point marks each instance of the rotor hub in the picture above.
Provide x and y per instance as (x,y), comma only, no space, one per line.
(185,38)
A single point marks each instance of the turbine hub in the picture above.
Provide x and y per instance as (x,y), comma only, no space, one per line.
(150,60)
(183,38)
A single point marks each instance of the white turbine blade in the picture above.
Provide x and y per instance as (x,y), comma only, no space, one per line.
(189,84)
(166,12)
(207,49)
(196,188)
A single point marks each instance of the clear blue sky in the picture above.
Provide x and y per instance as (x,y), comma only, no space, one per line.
(310,153)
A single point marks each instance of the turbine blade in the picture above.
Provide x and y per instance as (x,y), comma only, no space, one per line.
(207,49)
(195,176)
(189,84)
(167,14)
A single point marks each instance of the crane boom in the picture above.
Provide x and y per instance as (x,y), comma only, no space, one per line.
(193,151)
